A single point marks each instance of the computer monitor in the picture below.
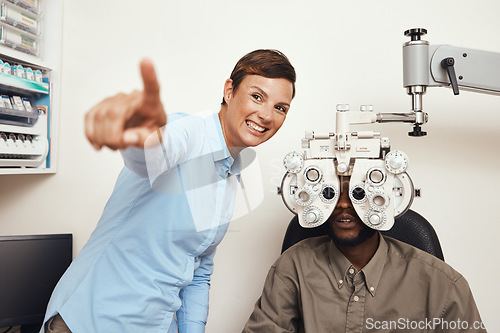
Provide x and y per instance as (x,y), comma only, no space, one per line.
(30,267)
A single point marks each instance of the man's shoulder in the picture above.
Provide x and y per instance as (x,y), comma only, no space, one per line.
(309,250)
(420,260)
(307,245)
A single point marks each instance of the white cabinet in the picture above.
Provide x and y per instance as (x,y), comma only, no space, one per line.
(30,43)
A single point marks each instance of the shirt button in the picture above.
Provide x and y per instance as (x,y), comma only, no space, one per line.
(356,298)
(340,281)
(351,271)
(372,289)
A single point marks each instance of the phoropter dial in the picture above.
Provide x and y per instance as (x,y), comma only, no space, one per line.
(376,176)
(378,200)
(313,174)
(313,216)
(374,219)
(293,162)
(396,162)
(304,196)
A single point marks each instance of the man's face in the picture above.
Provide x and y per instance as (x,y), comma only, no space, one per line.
(346,228)
(256,110)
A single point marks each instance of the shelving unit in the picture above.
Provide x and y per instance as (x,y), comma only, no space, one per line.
(28,137)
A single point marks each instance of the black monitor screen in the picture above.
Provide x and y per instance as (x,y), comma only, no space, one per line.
(30,267)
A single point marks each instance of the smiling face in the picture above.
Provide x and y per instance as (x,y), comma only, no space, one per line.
(255,111)
(346,228)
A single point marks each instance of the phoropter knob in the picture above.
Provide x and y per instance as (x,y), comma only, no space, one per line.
(343,107)
(396,162)
(293,162)
(312,216)
(415,33)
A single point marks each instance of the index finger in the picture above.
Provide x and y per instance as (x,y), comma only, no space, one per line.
(149,79)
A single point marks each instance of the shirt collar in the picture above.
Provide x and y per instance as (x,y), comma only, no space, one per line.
(340,266)
(220,151)
(216,138)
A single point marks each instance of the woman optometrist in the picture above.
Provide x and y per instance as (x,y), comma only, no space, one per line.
(147,265)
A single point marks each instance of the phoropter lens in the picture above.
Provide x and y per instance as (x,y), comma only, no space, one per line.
(328,193)
(312,175)
(358,193)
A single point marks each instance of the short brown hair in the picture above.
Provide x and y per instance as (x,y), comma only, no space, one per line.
(264,62)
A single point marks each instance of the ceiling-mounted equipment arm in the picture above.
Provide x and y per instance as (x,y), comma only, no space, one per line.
(426,65)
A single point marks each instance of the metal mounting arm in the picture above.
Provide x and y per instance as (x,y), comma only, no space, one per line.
(426,65)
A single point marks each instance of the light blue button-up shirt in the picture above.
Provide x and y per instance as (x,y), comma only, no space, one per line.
(151,254)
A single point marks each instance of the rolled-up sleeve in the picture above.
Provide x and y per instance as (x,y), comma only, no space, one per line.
(134,160)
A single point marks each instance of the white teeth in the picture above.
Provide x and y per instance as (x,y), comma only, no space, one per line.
(345,220)
(255,126)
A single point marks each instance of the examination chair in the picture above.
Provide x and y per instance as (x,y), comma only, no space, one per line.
(411,228)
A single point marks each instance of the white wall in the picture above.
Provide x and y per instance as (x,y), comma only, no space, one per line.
(343,52)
